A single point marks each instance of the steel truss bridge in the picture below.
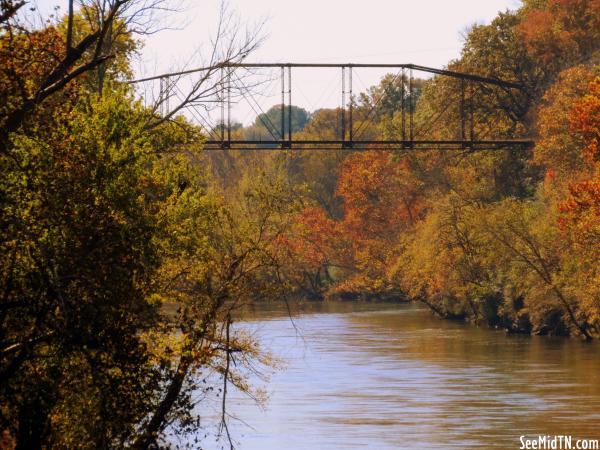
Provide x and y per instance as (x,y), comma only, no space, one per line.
(282,136)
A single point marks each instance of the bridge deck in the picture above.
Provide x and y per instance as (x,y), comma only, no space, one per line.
(368,145)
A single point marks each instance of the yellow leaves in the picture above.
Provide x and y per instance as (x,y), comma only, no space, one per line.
(162,346)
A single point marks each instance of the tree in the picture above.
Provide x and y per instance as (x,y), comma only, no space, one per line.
(218,256)
(64,63)
(381,199)
(119,43)
(311,246)
(561,32)
(77,257)
(272,119)
(104,237)
(489,249)
(581,209)
(386,97)
(108,225)
(558,150)
(497,51)
(8,8)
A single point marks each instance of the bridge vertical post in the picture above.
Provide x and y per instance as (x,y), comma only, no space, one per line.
(343,106)
(222,95)
(163,97)
(161,94)
(350,127)
(462,112)
(229,107)
(282,105)
(290,106)
(167,86)
(472,113)
(402,106)
(411,108)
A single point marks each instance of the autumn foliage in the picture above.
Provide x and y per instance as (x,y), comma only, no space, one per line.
(381,197)
(581,211)
(585,121)
(561,30)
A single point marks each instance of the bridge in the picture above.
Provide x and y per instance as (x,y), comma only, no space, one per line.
(219,86)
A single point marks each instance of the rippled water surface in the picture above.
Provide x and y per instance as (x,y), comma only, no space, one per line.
(392,377)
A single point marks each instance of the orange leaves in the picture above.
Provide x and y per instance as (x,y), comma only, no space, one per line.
(583,204)
(585,120)
(309,248)
(380,195)
(312,238)
(26,61)
(584,196)
(362,185)
(540,38)
(581,211)
(30,57)
(562,29)
(559,148)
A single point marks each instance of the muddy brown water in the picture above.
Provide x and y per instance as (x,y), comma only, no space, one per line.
(388,376)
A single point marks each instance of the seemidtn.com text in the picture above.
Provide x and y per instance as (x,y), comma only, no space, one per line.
(558,442)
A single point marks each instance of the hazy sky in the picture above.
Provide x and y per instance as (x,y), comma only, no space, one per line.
(425,32)
(420,31)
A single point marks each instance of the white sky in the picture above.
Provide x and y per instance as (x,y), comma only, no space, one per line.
(425,32)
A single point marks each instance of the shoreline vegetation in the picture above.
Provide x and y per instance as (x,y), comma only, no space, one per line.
(110,210)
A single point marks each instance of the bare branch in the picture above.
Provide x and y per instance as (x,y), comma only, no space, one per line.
(232,43)
(8,9)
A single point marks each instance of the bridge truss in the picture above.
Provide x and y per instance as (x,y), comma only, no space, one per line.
(230,88)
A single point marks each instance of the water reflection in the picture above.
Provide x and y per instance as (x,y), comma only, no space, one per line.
(389,376)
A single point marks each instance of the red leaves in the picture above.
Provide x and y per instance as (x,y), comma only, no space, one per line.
(584,196)
(580,216)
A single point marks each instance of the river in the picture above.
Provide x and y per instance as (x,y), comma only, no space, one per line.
(384,376)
